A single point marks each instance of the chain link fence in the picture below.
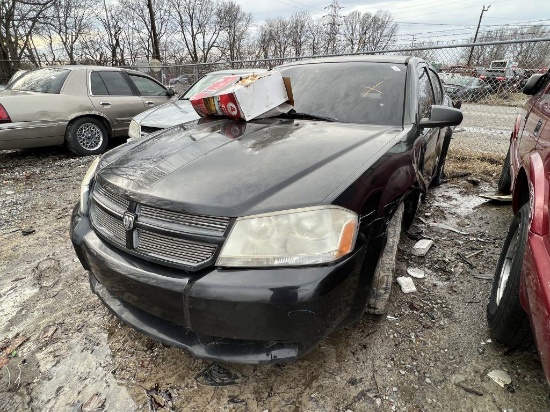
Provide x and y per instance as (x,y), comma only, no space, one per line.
(489,87)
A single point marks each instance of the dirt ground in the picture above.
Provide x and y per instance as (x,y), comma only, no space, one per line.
(432,352)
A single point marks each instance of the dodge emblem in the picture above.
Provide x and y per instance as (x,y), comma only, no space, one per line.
(128,220)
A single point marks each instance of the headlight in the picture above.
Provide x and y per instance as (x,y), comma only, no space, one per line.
(85,186)
(290,238)
(134,131)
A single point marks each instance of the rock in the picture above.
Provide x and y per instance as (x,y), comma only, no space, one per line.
(501,377)
(421,247)
(407,284)
(416,273)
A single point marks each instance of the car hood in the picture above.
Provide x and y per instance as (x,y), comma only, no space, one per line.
(168,114)
(232,168)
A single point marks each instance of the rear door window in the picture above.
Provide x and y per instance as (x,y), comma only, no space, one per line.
(425,93)
(109,83)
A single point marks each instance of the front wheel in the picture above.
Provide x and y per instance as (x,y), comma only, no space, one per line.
(507,320)
(86,136)
(380,290)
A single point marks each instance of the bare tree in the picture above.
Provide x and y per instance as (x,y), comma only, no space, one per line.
(199,24)
(298,32)
(381,31)
(235,24)
(69,21)
(19,19)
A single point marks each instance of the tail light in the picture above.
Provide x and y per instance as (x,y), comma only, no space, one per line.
(501,78)
(4,116)
(482,77)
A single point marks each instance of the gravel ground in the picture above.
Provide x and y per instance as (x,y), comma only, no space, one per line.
(432,352)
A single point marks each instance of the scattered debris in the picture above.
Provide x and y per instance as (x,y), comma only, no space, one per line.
(461,256)
(477,252)
(10,192)
(96,403)
(483,277)
(407,284)
(8,350)
(48,332)
(218,375)
(27,231)
(498,198)
(421,247)
(473,181)
(416,273)
(447,227)
(501,377)
(158,398)
(392,318)
(468,389)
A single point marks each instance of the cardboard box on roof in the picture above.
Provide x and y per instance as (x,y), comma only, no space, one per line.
(243,97)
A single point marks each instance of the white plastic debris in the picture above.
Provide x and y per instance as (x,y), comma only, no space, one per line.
(416,273)
(422,246)
(501,377)
(407,284)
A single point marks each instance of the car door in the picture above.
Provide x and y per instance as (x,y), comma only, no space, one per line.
(152,93)
(430,136)
(534,122)
(112,94)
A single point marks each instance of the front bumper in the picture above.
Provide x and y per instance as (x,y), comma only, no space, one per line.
(240,316)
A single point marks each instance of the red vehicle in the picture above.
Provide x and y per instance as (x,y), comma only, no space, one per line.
(519,304)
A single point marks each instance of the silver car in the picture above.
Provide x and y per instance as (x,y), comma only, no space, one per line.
(80,106)
(179,111)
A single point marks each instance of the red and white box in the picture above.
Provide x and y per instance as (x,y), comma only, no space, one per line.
(244,98)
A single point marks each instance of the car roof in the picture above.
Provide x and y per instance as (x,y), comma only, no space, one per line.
(238,71)
(78,67)
(354,58)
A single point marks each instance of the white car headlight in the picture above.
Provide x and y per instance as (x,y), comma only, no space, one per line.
(296,237)
(85,186)
(134,131)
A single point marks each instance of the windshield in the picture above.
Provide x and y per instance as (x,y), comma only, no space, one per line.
(356,92)
(202,84)
(42,81)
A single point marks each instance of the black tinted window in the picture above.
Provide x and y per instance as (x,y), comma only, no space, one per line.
(425,93)
(438,92)
(114,83)
(148,87)
(43,81)
(356,92)
(98,87)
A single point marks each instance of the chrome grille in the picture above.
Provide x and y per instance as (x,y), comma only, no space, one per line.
(107,225)
(172,249)
(116,199)
(158,235)
(218,224)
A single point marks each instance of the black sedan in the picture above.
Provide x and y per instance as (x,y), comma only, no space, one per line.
(465,88)
(251,241)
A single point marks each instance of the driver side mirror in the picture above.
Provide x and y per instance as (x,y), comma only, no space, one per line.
(442,116)
(170,91)
(534,84)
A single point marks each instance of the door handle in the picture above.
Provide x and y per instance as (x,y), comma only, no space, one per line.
(537,128)
(149,103)
(105,104)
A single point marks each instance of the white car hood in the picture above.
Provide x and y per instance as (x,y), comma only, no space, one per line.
(169,114)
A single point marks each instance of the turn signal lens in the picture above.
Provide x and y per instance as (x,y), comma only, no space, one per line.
(4,116)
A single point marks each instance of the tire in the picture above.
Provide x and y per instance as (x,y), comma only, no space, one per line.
(380,290)
(86,136)
(508,322)
(505,179)
(439,176)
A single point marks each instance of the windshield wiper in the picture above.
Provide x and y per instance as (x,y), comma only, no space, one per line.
(293,114)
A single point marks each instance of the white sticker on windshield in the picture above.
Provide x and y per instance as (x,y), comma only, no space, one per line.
(397,69)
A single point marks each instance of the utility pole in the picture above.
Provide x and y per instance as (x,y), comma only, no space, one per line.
(477,31)
(413,39)
(333,23)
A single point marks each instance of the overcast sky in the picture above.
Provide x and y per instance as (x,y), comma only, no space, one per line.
(425,19)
